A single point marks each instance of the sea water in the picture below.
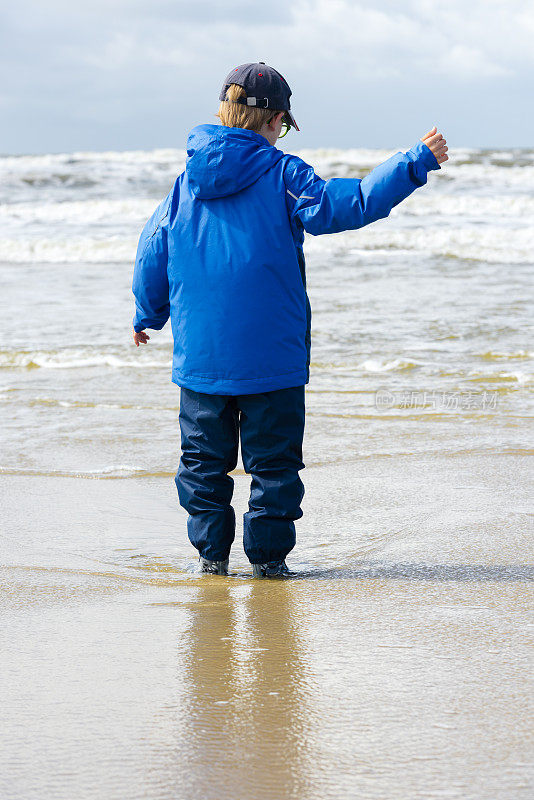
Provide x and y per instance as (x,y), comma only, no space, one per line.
(421,328)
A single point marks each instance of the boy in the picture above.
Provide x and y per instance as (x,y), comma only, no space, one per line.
(222,256)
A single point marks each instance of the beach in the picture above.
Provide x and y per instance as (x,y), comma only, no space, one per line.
(396,665)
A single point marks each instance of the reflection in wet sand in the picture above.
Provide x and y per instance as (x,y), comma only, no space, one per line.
(246,716)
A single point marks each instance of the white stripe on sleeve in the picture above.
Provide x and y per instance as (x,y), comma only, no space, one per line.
(301,197)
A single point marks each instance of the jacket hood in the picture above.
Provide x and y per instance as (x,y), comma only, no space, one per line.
(222,160)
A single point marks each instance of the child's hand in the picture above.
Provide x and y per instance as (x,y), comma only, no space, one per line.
(436,143)
(140,337)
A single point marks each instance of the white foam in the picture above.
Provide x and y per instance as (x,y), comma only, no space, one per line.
(85,212)
(397,364)
(76,249)
(53,160)
(114,470)
(369,365)
(466,206)
(490,243)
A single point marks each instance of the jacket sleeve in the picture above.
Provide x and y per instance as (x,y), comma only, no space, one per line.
(150,284)
(341,204)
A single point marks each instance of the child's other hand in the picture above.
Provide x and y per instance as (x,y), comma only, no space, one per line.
(140,337)
(436,143)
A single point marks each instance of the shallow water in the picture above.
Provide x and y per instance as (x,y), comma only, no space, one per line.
(398,663)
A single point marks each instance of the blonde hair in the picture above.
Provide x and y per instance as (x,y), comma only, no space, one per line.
(237,115)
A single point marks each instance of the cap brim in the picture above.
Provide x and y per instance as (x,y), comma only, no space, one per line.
(292,120)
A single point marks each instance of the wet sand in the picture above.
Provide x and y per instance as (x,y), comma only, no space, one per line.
(396,665)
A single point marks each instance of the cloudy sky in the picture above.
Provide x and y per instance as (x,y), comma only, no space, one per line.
(130,74)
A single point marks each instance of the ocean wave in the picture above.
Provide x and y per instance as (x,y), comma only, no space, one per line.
(484,178)
(124,214)
(110,472)
(491,244)
(396,365)
(78,212)
(80,358)
(69,250)
(369,365)
(150,173)
(67,175)
(481,242)
(466,206)
(52,401)
(75,359)
(335,160)
(19,163)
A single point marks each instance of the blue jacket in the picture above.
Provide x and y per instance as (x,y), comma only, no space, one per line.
(222,255)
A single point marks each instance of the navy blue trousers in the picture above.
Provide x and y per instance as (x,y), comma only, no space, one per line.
(271,425)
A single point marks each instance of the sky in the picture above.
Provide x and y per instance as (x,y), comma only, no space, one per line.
(139,74)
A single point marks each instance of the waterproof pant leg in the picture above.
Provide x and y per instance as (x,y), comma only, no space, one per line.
(272,432)
(209,427)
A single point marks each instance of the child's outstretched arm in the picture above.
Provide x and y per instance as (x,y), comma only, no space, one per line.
(150,284)
(341,204)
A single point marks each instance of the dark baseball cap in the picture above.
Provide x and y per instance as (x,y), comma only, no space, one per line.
(265,88)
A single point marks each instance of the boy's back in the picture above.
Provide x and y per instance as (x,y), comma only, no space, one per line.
(222,256)
(233,268)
